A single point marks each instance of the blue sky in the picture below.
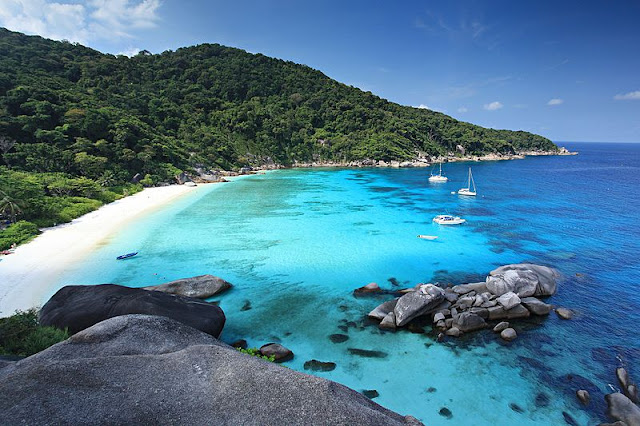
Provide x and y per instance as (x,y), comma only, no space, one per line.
(569,70)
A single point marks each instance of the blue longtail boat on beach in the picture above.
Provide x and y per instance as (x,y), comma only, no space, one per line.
(126,256)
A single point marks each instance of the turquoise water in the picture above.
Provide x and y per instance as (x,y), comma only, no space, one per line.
(296,243)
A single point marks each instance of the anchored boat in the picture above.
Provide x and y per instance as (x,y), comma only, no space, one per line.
(439,177)
(428,237)
(470,184)
(126,256)
(447,219)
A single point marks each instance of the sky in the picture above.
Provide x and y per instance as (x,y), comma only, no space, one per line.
(568,70)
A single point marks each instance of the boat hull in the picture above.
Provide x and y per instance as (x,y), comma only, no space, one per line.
(438,179)
(448,220)
(466,191)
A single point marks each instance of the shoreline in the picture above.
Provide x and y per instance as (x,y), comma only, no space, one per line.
(417,162)
(28,273)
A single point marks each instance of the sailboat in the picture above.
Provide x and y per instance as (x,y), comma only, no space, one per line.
(471,184)
(439,177)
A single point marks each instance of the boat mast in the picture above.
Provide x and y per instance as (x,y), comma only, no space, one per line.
(471,180)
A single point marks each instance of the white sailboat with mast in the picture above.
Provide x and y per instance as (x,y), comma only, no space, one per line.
(471,187)
(439,177)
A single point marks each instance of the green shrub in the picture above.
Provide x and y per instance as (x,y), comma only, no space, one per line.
(256,352)
(147,181)
(17,233)
(22,335)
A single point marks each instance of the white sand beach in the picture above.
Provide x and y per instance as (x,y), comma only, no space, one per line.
(27,274)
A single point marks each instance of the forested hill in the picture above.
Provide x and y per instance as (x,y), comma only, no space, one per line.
(67,108)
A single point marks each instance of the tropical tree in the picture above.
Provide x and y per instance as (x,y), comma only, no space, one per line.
(9,207)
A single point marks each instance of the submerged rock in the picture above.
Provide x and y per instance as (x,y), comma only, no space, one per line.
(583,396)
(414,304)
(170,374)
(564,313)
(338,338)
(367,353)
(371,393)
(200,287)
(445,412)
(515,407)
(276,350)
(371,288)
(315,365)
(542,400)
(80,306)
(568,419)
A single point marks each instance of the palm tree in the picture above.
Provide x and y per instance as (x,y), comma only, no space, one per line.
(9,207)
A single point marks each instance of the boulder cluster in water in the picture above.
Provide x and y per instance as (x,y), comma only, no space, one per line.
(509,292)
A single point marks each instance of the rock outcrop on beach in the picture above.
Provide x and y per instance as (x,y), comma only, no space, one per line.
(139,369)
(78,307)
(509,292)
(200,287)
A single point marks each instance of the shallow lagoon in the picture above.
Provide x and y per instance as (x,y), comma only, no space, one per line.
(295,243)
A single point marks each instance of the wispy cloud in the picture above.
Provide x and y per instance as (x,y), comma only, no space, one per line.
(555,101)
(493,106)
(462,109)
(557,64)
(460,28)
(80,22)
(631,96)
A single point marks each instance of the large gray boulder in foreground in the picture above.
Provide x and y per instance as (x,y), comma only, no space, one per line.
(140,369)
(524,279)
(200,287)
(80,306)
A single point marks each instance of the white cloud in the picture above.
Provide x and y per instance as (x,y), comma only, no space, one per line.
(79,22)
(132,51)
(462,109)
(631,96)
(555,101)
(423,106)
(51,20)
(493,106)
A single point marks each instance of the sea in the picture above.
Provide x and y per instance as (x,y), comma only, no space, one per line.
(296,243)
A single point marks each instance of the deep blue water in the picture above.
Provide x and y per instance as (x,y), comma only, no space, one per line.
(295,243)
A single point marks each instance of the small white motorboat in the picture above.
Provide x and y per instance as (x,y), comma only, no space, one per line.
(428,237)
(470,184)
(439,177)
(447,219)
